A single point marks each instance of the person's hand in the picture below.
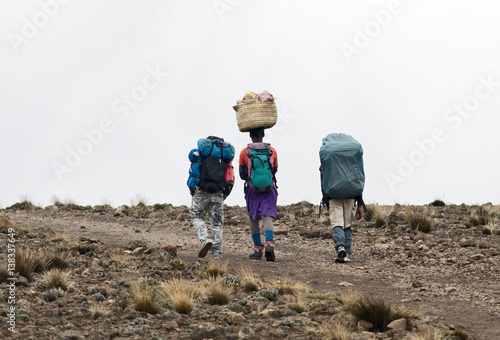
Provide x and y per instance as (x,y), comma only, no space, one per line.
(359,212)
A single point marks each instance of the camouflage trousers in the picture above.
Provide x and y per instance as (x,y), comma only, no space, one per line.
(212,204)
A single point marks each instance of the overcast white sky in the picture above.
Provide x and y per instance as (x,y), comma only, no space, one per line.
(416,82)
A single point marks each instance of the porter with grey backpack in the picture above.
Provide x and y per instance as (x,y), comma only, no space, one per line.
(342,172)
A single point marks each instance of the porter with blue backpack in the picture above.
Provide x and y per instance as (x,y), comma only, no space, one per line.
(210,181)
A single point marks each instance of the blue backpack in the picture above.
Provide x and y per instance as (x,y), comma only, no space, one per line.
(211,168)
(343,175)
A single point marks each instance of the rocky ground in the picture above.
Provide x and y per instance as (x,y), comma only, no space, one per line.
(449,276)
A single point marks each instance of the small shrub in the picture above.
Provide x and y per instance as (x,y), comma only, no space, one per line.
(216,268)
(438,202)
(98,309)
(51,295)
(455,335)
(85,248)
(270,293)
(231,280)
(177,264)
(417,220)
(181,293)
(144,298)
(54,278)
(336,331)
(218,293)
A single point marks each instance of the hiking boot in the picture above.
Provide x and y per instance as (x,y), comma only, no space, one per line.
(269,251)
(257,255)
(205,247)
(341,255)
(347,258)
(217,256)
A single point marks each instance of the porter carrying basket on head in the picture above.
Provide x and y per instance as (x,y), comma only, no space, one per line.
(256,111)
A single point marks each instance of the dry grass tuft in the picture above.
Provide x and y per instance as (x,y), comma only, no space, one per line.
(42,259)
(4,273)
(99,309)
(58,260)
(216,268)
(428,333)
(181,293)
(57,237)
(217,292)
(370,309)
(54,278)
(381,214)
(117,256)
(249,280)
(336,331)
(492,228)
(418,220)
(298,303)
(5,223)
(144,298)
(370,212)
(319,296)
(25,262)
(288,286)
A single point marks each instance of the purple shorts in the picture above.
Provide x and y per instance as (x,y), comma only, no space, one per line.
(261,204)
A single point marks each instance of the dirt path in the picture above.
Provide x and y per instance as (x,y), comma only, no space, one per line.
(463,294)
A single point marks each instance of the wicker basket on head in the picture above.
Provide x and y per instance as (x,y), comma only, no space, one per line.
(255,113)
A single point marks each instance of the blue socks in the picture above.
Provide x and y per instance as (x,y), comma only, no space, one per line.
(269,235)
(256,239)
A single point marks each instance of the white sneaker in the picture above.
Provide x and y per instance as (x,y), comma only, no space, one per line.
(205,247)
(347,258)
(341,255)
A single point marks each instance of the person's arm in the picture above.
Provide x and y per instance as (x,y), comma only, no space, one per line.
(360,206)
(243,172)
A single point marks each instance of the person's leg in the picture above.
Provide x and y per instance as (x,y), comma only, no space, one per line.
(337,221)
(267,222)
(215,208)
(348,210)
(197,214)
(257,242)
